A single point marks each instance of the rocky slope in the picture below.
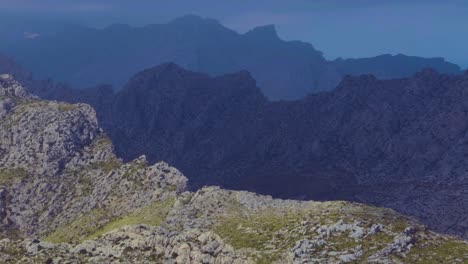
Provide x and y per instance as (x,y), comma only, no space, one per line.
(395,143)
(86,57)
(66,198)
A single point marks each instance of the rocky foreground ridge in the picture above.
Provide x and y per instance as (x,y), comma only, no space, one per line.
(66,198)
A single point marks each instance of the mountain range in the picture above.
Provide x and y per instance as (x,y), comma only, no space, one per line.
(396,143)
(66,198)
(285,70)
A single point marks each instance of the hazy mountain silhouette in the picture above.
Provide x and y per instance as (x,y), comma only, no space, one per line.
(85,57)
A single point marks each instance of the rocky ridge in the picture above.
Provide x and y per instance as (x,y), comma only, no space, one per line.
(66,198)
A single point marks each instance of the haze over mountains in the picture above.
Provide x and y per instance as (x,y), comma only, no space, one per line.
(85,57)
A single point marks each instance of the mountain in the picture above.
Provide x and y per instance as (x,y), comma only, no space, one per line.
(66,198)
(86,57)
(395,143)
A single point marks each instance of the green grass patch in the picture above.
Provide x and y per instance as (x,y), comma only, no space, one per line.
(102,142)
(85,185)
(446,250)
(63,107)
(133,170)
(14,252)
(172,188)
(80,228)
(106,166)
(260,231)
(153,215)
(11,176)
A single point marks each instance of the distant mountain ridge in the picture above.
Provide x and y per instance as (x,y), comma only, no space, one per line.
(85,57)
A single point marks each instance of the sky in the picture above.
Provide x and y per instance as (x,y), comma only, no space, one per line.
(339,28)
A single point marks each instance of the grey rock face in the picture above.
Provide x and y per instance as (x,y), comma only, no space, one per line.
(60,130)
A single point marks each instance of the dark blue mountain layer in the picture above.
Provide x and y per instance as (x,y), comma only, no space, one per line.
(85,57)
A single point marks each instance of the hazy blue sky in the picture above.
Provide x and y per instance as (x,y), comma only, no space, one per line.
(346,28)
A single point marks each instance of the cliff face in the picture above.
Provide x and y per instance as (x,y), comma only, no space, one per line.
(284,69)
(65,197)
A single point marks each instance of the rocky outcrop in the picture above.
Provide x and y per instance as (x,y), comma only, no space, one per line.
(285,70)
(70,200)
